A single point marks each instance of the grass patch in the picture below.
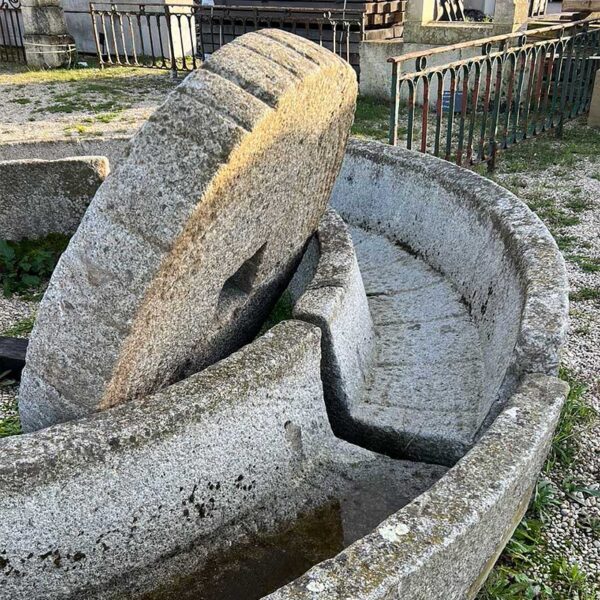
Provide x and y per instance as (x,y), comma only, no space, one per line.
(10,425)
(585,263)
(372,119)
(585,293)
(575,413)
(546,150)
(21,328)
(17,74)
(528,547)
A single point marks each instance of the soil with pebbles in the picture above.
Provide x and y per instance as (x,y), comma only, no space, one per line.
(82,103)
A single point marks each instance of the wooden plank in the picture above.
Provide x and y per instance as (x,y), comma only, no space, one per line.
(12,355)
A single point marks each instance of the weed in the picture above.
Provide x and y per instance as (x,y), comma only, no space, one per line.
(10,425)
(21,328)
(281,312)
(573,580)
(20,100)
(575,413)
(107,117)
(544,497)
(565,242)
(578,205)
(372,119)
(585,293)
(25,265)
(585,263)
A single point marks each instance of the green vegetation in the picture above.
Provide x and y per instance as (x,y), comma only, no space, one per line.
(585,293)
(21,328)
(586,263)
(528,546)
(17,74)
(26,265)
(546,151)
(372,119)
(99,96)
(281,312)
(575,413)
(10,425)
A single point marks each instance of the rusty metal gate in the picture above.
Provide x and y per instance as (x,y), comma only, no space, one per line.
(507,89)
(12,48)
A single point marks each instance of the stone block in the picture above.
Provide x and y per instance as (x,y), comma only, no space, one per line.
(38,197)
(190,241)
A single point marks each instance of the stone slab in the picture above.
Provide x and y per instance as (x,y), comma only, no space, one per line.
(594,114)
(187,245)
(222,459)
(334,300)
(443,544)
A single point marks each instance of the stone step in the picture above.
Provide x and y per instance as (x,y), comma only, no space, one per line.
(423,397)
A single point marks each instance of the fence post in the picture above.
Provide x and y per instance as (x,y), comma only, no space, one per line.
(395,112)
(171,44)
(96,38)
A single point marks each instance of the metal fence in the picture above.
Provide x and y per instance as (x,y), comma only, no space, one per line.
(180,37)
(12,48)
(510,88)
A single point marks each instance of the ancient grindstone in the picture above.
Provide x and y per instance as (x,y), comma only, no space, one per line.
(185,247)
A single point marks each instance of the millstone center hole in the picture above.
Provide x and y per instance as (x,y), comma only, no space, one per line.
(238,287)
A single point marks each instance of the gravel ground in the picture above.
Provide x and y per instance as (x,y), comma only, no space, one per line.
(12,311)
(573,527)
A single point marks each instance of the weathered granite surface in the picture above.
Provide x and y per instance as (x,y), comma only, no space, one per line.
(334,299)
(114,148)
(504,267)
(443,544)
(188,243)
(423,393)
(116,504)
(38,197)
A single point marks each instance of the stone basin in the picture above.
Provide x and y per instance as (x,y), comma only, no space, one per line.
(426,335)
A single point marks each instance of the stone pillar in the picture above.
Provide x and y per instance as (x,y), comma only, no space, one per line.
(594,116)
(47,42)
(510,16)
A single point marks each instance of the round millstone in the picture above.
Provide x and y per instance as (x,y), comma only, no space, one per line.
(189,242)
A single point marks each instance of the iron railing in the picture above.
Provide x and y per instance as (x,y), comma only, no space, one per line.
(12,48)
(180,37)
(510,88)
